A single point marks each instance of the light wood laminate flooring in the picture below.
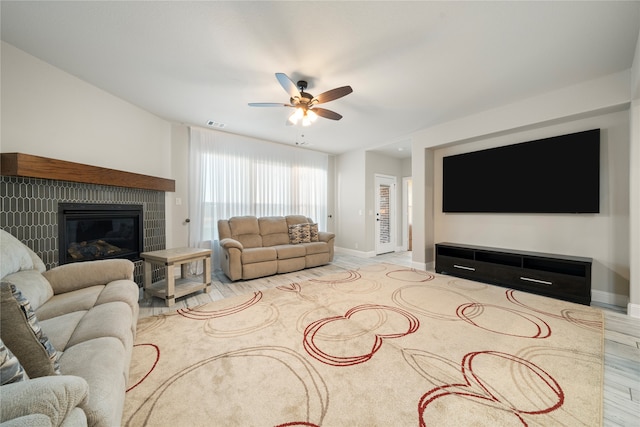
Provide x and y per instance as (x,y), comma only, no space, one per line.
(622,332)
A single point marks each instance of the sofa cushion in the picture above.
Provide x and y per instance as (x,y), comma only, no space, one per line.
(106,320)
(121,291)
(297,219)
(79,275)
(316,247)
(290,251)
(313,229)
(14,255)
(11,371)
(101,362)
(79,300)
(33,286)
(55,397)
(299,233)
(246,230)
(59,329)
(25,337)
(253,255)
(274,230)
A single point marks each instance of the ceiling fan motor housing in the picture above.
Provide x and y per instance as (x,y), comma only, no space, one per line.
(305,99)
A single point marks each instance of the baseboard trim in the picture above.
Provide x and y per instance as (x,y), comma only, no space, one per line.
(633,310)
(609,298)
(354,252)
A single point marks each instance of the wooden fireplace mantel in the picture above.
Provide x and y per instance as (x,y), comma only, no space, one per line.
(29,166)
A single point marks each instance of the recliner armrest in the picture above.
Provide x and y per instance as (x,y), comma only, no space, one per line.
(79,275)
(54,396)
(325,236)
(230,243)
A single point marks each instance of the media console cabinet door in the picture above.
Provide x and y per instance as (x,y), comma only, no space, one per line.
(556,276)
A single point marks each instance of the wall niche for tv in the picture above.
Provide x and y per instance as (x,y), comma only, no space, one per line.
(553,175)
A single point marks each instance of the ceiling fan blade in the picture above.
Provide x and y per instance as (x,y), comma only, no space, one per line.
(332,94)
(288,85)
(327,114)
(268,104)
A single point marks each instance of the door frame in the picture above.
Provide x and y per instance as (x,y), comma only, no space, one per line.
(405,212)
(392,182)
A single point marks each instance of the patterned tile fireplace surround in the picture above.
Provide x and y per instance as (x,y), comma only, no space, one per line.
(29,211)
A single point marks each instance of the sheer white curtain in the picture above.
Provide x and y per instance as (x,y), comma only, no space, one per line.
(231,175)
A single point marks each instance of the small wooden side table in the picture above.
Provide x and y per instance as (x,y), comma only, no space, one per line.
(169,289)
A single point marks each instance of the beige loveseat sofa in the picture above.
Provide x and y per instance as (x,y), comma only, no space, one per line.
(66,339)
(255,247)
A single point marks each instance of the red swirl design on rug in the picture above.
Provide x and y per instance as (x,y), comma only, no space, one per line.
(576,316)
(312,332)
(156,350)
(350,276)
(476,391)
(507,322)
(199,314)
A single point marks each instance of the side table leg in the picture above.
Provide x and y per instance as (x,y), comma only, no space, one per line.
(206,275)
(170,298)
(184,270)
(146,284)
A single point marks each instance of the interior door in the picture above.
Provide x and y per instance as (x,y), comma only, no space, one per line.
(385,187)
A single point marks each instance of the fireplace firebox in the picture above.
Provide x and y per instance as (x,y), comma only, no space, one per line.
(88,231)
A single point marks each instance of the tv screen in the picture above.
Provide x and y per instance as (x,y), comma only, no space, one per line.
(552,175)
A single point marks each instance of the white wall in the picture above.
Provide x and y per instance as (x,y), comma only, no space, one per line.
(602,102)
(178,202)
(350,201)
(603,237)
(376,163)
(48,112)
(634,190)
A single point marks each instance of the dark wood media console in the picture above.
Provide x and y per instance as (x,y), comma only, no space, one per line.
(557,276)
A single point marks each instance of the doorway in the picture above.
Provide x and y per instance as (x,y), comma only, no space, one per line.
(385,204)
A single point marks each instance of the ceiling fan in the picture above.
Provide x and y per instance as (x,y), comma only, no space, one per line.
(304,102)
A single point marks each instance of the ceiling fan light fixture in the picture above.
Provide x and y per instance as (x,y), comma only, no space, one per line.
(309,117)
(296,116)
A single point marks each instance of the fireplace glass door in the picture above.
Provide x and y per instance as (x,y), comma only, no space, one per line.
(99,231)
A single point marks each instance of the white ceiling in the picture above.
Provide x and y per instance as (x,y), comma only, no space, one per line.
(411,64)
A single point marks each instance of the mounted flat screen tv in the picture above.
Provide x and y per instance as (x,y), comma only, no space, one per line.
(552,175)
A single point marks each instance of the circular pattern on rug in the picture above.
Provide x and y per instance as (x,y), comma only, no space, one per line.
(149,354)
(504,321)
(221,390)
(433,301)
(589,319)
(361,286)
(347,276)
(489,390)
(410,275)
(341,349)
(467,285)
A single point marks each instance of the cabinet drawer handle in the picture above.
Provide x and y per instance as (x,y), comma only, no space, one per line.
(462,267)
(541,282)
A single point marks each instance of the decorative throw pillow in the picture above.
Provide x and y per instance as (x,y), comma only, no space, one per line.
(299,233)
(314,232)
(22,334)
(11,371)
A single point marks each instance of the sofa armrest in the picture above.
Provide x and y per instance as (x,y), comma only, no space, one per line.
(32,420)
(71,277)
(325,236)
(55,396)
(230,243)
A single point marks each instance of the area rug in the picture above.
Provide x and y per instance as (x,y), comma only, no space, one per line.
(383,345)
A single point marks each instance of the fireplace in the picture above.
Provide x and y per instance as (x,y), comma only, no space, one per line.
(89,231)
